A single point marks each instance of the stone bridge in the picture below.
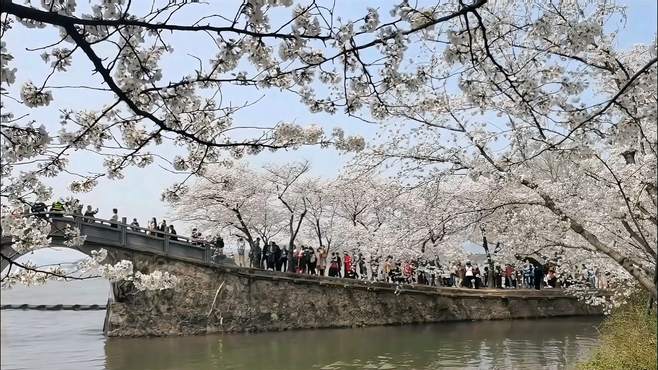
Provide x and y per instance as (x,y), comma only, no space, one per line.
(119,239)
(211,297)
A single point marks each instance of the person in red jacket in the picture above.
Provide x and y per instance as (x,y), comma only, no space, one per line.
(347,262)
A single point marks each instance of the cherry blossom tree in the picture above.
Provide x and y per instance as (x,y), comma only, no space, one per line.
(554,124)
(237,198)
(305,50)
(324,225)
(290,185)
(533,101)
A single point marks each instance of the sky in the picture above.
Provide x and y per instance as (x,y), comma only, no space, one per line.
(138,194)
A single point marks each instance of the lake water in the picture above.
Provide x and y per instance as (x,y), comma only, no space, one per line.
(68,340)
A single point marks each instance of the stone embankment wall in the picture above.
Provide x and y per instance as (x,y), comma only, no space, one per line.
(229,299)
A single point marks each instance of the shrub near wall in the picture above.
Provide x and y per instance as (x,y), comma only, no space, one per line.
(628,339)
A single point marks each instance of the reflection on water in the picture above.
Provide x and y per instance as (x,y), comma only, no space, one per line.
(487,345)
(73,340)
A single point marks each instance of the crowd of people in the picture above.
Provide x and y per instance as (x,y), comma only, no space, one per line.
(77,210)
(307,260)
(304,259)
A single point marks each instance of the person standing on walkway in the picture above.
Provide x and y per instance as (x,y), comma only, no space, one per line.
(255,253)
(347,262)
(374,269)
(312,260)
(322,260)
(241,249)
(478,277)
(469,275)
(283,260)
(528,280)
(298,257)
(408,272)
(351,274)
(265,256)
(334,266)
(388,266)
(539,276)
(219,245)
(305,259)
(551,279)
(274,257)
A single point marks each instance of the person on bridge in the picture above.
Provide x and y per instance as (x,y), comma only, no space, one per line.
(39,208)
(196,236)
(57,209)
(163,228)
(77,212)
(134,225)
(172,231)
(114,220)
(90,213)
(153,227)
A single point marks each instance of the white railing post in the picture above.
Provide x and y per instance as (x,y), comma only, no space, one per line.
(166,244)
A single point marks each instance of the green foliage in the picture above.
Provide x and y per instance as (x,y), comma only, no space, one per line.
(628,339)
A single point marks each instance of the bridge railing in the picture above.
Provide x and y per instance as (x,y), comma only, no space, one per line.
(121,234)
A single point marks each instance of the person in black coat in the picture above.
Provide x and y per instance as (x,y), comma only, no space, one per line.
(275,256)
(173,232)
(286,255)
(539,276)
(219,245)
(265,257)
(39,208)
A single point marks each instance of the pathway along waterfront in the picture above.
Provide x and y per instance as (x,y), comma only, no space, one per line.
(65,340)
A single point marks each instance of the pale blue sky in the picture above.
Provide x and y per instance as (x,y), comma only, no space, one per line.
(138,194)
